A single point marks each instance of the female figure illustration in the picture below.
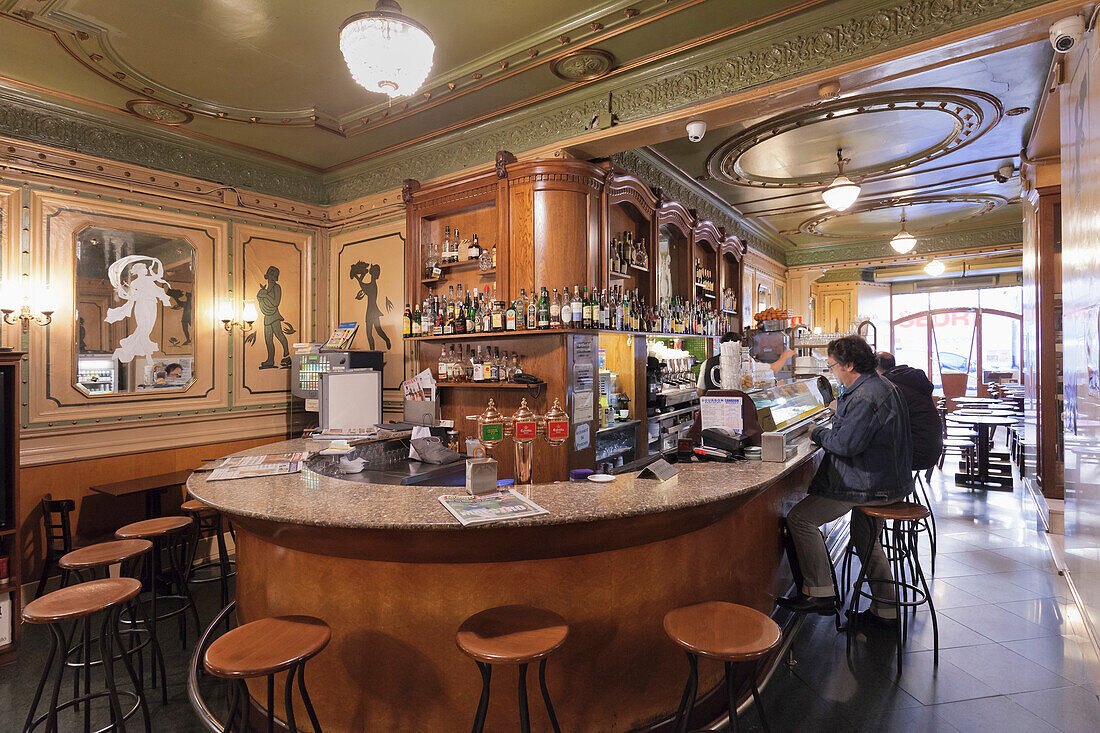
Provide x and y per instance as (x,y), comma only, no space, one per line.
(372,320)
(268,298)
(183,303)
(137,279)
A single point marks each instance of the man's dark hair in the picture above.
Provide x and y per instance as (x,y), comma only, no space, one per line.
(173,366)
(854,351)
(729,336)
(884,361)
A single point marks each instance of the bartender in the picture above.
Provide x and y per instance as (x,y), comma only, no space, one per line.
(710,375)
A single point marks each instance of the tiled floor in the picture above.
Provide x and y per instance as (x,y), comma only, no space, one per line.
(1011,655)
(1010,659)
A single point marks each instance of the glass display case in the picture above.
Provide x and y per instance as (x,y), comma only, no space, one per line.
(782,406)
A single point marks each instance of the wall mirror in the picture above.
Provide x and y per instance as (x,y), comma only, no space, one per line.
(134,296)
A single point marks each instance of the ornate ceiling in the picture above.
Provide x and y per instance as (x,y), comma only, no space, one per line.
(267,77)
(926,141)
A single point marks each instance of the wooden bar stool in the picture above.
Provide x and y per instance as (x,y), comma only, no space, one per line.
(84,564)
(900,544)
(78,603)
(724,631)
(167,534)
(512,635)
(208,520)
(261,649)
(58,538)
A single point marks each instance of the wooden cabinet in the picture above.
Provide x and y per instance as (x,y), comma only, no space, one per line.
(552,223)
(9,499)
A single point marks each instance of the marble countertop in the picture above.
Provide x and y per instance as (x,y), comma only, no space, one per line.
(312,499)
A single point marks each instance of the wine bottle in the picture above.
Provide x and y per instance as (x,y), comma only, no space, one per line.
(406,322)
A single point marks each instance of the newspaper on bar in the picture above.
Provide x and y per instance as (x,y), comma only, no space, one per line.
(256,466)
(497,507)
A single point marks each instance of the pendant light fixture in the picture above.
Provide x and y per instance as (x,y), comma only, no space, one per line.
(842,192)
(903,242)
(386,51)
(935,268)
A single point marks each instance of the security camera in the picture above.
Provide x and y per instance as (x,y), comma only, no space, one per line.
(696,129)
(1004,173)
(1065,33)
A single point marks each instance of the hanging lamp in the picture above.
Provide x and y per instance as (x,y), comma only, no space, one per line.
(903,242)
(386,51)
(842,192)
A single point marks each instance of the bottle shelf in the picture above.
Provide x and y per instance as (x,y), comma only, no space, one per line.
(456,266)
(618,275)
(639,268)
(493,335)
(484,385)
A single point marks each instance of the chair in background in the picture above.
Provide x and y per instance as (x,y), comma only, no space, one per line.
(59,536)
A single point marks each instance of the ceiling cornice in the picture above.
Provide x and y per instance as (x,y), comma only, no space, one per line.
(675,185)
(814,40)
(817,39)
(870,250)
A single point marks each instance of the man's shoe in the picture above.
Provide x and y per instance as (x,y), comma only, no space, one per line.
(868,618)
(801,603)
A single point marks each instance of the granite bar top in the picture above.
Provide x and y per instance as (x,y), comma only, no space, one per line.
(312,499)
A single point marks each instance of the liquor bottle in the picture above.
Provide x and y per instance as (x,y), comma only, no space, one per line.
(473,251)
(487,365)
(612,259)
(643,253)
(497,315)
(555,310)
(494,366)
(456,243)
(516,370)
(416,316)
(460,312)
(485,312)
(485,259)
(605,312)
(577,306)
(521,310)
(431,262)
(449,313)
(468,364)
(505,367)
(477,370)
(532,306)
(542,314)
(470,315)
(510,317)
(406,322)
(494,256)
(586,309)
(446,254)
(442,369)
(566,309)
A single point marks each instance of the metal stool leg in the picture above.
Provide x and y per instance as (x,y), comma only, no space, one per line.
(687,702)
(731,696)
(135,678)
(45,677)
(305,698)
(546,697)
(756,700)
(288,701)
(483,703)
(524,714)
(107,654)
(931,611)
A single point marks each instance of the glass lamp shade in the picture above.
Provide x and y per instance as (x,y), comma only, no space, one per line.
(841,193)
(248,313)
(903,242)
(45,301)
(225,311)
(386,51)
(935,268)
(11,294)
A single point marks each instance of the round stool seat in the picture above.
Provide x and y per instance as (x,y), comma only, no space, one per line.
(149,528)
(104,553)
(266,646)
(721,630)
(907,511)
(82,599)
(511,634)
(194,506)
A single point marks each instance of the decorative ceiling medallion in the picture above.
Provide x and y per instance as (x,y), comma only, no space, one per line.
(767,155)
(158,112)
(972,205)
(584,64)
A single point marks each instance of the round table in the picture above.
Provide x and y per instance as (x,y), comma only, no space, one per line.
(983,480)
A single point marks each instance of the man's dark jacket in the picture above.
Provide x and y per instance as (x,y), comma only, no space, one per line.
(869,449)
(924,421)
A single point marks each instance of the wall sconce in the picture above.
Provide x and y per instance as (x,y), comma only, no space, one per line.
(22,303)
(244,323)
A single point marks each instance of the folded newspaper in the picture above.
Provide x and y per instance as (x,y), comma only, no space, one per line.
(491,507)
(257,466)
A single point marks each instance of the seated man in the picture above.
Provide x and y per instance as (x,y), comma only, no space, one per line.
(924,420)
(868,458)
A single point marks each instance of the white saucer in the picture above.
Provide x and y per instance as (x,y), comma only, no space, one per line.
(601,478)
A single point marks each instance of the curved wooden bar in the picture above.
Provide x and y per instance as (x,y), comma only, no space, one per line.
(394,576)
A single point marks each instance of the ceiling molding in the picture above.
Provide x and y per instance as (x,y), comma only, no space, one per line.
(25,118)
(677,186)
(816,39)
(972,113)
(847,275)
(1007,235)
(987,202)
